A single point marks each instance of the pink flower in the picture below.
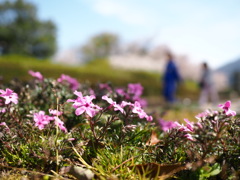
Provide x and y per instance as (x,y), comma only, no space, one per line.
(181,127)
(91,92)
(55,112)
(149,118)
(9,96)
(203,115)
(135,89)
(105,86)
(138,110)
(116,106)
(73,83)
(189,125)
(124,103)
(3,124)
(226,108)
(199,125)
(189,137)
(166,125)
(37,75)
(120,91)
(84,104)
(60,124)
(143,102)
(41,119)
(3,110)
(131,126)
(6,127)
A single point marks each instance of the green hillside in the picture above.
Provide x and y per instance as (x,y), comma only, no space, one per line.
(98,71)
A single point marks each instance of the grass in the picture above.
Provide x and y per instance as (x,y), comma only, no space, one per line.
(98,71)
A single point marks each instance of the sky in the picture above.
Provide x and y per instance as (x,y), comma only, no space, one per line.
(204,30)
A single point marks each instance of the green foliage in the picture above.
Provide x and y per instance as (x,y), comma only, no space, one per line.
(21,32)
(100,46)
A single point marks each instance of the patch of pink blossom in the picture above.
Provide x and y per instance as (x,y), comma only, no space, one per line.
(189,128)
(36,74)
(226,108)
(55,112)
(135,89)
(166,125)
(73,83)
(105,86)
(112,103)
(84,104)
(60,124)
(9,96)
(206,113)
(5,125)
(41,119)
(3,110)
(137,109)
(120,91)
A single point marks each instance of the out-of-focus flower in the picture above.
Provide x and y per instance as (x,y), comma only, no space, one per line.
(73,83)
(125,103)
(41,119)
(105,86)
(183,128)
(91,92)
(149,118)
(60,124)
(37,75)
(55,112)
(116,106)
(199,125)
(5,125)
(189,137)
(138,110)
(9,96)
(226,108)
(131,126)
(166,125)
(189,125)
(135,89)
(206,113)
(3,110)
(120,91)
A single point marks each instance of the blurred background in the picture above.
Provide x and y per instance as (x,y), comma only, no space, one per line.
(121,42)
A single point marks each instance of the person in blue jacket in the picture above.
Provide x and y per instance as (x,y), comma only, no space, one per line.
(171,77)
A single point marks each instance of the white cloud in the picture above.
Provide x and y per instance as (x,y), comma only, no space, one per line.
(123,11)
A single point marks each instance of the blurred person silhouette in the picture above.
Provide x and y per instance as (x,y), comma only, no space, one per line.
(171,78)
(207,86)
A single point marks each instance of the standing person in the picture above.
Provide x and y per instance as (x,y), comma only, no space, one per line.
(208,90)
(171,77)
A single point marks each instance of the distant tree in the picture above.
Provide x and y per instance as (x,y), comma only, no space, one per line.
(21,32)
(100,46)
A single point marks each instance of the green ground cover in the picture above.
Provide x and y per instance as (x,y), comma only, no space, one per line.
(50,131)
